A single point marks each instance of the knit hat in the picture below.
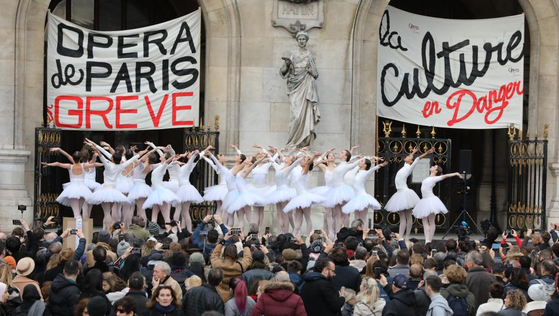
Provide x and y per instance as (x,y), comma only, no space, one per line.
(97,306)
(153,228)
(258,256)
(541,292)
(400,281)
(289,254)
(3,288)
(121,248)
(25,266)
(197,257)
(9,260)
(104,236)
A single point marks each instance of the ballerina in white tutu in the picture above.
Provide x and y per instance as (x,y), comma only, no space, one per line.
(326,163)
(405,199)
(260,184)
(301,204)
(161,198)
(283,193)
(362,200)
(430,205)
(216,193)
(76,192)
(173,169)
(245,199)
(231,185)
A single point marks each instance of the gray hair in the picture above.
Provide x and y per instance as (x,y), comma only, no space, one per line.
(360,253)
(165,267)
(253,228)
(50,237)
(282,276)
(475,257)
(356,223)
(55,247)
(429,273)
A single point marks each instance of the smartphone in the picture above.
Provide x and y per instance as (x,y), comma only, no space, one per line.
(372,232)
(370,226)
(254,236)
(135,251)
(235,231)
(267,231)
(377,273)
(375,253)
(495,246)
(73,231)
(16,222)
(318,231)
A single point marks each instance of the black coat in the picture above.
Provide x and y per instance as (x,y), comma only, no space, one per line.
(64,295)
(551,308)
(400,304)
(202,299)
(176,312)
(347,277)
(320,297)
(140,297)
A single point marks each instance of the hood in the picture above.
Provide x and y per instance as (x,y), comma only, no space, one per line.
(296,278)
(61,282)
(439,301)
(458,290)
(406,296)
(313,276)
(279,291)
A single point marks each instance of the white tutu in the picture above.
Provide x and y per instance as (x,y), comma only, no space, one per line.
(92,185)
(107,194)
(262,191)
(188,193)
(429,205)
(321,190)
(229,198)
(361,202)
(172,185)
(404,199)
(139,190)
(338,195)
(281,195)
(215,192)
(73,190)
(245,199)
(161,196)
(303,200)
(124,184)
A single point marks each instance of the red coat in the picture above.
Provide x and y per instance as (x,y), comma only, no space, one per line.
(278,299)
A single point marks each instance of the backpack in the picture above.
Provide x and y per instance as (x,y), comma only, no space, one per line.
(180,275)
(458,305)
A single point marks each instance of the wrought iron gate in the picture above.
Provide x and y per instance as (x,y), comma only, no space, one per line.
(527,180)
(47,180)
(394,150)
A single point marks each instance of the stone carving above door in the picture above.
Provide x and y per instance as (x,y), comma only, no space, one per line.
(298,15)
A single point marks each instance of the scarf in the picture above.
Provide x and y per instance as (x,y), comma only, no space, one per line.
(163,309)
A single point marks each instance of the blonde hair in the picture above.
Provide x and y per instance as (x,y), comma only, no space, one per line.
(371,293)
(192,282)
(349,296)
(6,274)
(148,247)
(416,259)
(517,300)
(53,261)
(455,274)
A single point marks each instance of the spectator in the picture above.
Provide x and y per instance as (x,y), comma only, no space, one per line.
(93,286)
(4,298)
(32,304)
(138,228)
(162,276)
(64,256)
(65,293)
(103,240)
(548,269)
(100,257)
(127,306)
(294,271)
(517,280)
(415,276)
(457,293)
(478,280)
(402,302)
(402,264)
(205,298)
(495,302)
(97,306)
(81,308)
(277,299)
(350,300)
(13,244)
(439,306)
(231,266)
(240,303)
(368,301)
(539,299)
(192,282)
(515,301)
(318,293)
(165,302)
(258,269)
(24,270)
(359,262)
(499,272)
(136,286)
(345,276)
(212,237)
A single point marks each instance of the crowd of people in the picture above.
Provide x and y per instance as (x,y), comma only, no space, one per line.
(218,270)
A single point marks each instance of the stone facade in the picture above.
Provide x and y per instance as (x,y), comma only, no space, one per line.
(243,85)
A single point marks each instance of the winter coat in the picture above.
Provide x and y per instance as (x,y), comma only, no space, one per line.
(509,311)
(278,299)
(362,309)
(461,290)
(492,305)
(138,231)
(173,284)
(20,282)
(422,301)
(230,269)
(254,275)
(348,277)
(176,312)
(141,299)
(478,282)
(552,308)
(231,308)
(399,269)
(347,310)
(64,295)
(201,299)
(320,296)
(439,306)
(402,303)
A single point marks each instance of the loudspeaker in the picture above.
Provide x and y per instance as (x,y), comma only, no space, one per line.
(465,161)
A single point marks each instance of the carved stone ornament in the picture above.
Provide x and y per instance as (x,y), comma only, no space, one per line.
(298,15)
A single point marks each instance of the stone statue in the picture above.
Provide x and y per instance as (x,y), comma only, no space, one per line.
(300,71)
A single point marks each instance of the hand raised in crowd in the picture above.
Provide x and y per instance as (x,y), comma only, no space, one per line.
(24,225)
(513,233)
(208,218)
(383,280)
(218,220)
(80,234)
(49,221)
(65,233)
(264,249)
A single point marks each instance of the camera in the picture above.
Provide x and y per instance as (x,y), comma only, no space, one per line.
(116,225)
(292,240)
(16,222)
(173,223)
(21,208)
(463,232)
(135,251)
(73,232)
(235,231)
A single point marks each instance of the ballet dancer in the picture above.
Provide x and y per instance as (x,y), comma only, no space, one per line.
(301,204)
(108,194)
(124,184)
(161,198)
(217,193)
(430,205)
(232,186)
(326,163)
(245,199)
(405,199)
(76,192)
(362,201)
(260,184)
